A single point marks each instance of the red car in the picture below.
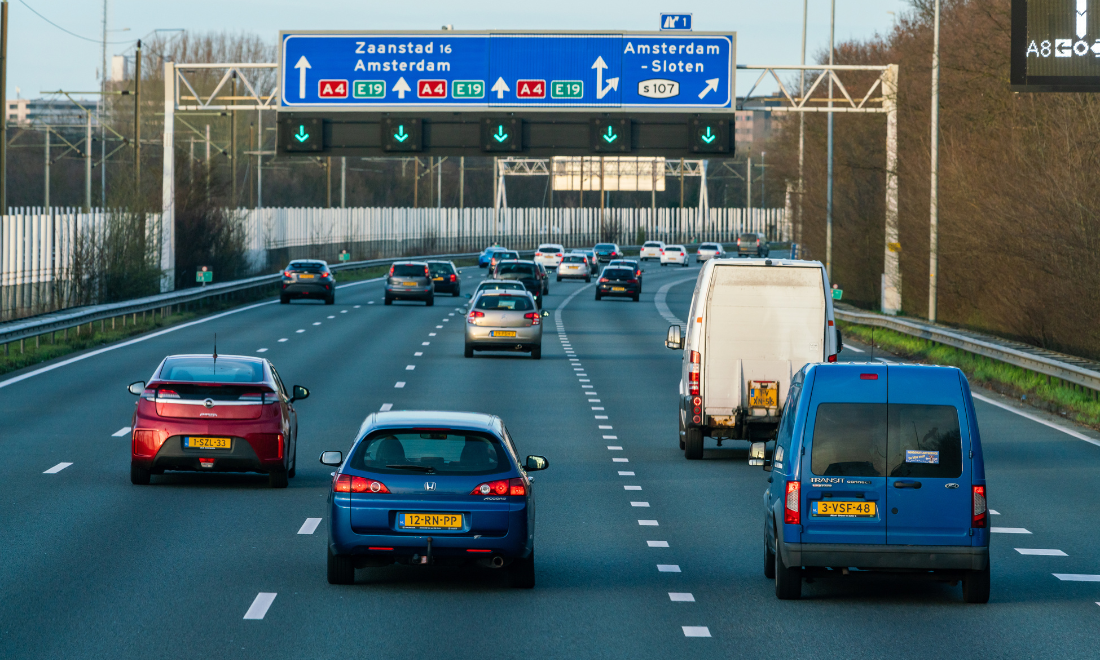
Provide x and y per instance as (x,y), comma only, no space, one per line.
(215,413)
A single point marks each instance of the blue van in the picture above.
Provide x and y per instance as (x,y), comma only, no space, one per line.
(877,467)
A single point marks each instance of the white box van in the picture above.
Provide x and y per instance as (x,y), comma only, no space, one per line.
(753,324)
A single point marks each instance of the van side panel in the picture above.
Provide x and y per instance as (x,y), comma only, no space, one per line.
(977,462)
(761,323)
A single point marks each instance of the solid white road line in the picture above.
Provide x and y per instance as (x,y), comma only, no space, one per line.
(125,430)
(282,340)
(261,350)
(657,544)
(661,298)
(696,631)
(1071,577)
(385,407)
(680,597)
(1034,418)
(1040,552)
(668,568)
(625,473)
(309,526)
(1008,530)
(260,605)
(648,523)
(644,505)
(632,487)
(57,468)
(399,384)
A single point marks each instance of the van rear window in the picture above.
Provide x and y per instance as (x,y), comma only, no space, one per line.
(925,441)
(849,440)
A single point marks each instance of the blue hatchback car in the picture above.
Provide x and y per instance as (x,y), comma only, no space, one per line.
(877,468)
(486,256)
(432,488)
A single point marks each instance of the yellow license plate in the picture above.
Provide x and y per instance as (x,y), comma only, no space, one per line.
(438,279)
(618,288)
(502,333)
(844,509)
(430,520)
(408,284)
(763,396)
(305,276)
(207,443)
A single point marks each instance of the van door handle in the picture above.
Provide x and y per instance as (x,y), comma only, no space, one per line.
(906,484)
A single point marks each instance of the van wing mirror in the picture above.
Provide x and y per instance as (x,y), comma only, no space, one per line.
(675,339)
(758,455)
(137,388)
(332,458)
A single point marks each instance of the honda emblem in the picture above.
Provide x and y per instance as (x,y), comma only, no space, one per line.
(429,485)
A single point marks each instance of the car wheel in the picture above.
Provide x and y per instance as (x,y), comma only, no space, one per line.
(536,353)
(277,479)
(139,476)
(587,279)
(559,279)
(469,352)
(283,300)
(430,302)
(389,301)
(598,296)
(769,556)
(788,581)
(680,435)
(293,464)
(663,264)
(976,586)
(456,293)
(331,300)
(693,444)
(637,297)
(523,572)
(341,569)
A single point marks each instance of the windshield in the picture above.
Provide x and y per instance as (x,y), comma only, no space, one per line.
(209,370)
(435,451)
(441,269)
(575,259)
(526,270)
(308,266)
(408,270)
(605,246)
(505,303)
(501,286)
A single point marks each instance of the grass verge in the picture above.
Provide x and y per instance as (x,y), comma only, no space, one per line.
(1050,394)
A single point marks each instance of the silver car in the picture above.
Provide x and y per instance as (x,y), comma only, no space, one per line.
(410,280)
(575,265)
(500,320)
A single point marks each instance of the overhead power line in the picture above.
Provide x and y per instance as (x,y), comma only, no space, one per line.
(68,32)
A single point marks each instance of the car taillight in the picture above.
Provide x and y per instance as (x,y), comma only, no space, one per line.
(662,251)
(345,483)
(693,373)
(758,241)
(287,273)
(603,280)
(167,394)
(832,358)
(559,254)
(980,512)
(513,486)
(427,273)
(148,443)
(533,317)
(282,442)
(791,513)
(454,278)
(149,394)
(474,315)
(391,271)
(632,281)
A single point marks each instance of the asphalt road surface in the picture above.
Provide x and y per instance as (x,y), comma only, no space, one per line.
(640,552)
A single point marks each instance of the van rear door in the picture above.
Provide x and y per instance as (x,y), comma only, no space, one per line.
(844,463)
(928,459)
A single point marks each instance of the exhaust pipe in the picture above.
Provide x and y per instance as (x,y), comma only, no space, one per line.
(497,561)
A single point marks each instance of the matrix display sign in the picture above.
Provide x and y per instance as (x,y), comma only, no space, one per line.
(452,70)
(1055,45)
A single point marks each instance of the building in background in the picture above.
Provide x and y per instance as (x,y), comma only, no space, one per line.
(753,123)
(55,112)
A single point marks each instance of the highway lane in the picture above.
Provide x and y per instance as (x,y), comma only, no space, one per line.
(95,567)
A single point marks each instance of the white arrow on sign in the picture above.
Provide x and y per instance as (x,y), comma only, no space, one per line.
(401,87)
(302,65)
(500,87)
(712,86)
(612,83)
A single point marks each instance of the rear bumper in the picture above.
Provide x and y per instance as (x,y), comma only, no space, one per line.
(410,292)
(571,274)
(897,557)
(243,456)
(302,289)
(631,290)
(527,336)
(446,287)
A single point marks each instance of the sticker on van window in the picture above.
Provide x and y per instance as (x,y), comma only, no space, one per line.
(918,456)
(778,454)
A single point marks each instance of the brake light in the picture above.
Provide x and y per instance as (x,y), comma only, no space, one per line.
(149,394)
(758,241)
(282,441)
(454,278)
(514,486)
(391,271)
(791,513)
(474,315)
(662,250)
(559,254)
(427,273)
(603,280)
(693,373)
(832,358)
(287,273)
(345,483)
(167,394)
(533,317)
(980,512)
(632,281)
(148,443)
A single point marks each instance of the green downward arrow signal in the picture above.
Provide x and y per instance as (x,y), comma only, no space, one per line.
(611,136)
(709,137)
(500,136)
(401,135)
(301,136)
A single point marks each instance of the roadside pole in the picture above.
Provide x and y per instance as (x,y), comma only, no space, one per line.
(933,220)
(4,107)
(137,121)
(829,187)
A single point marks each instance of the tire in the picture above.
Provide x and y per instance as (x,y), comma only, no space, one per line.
(139,476)
(523,572)
(685,264)
(469,352)
(389,301)
(976,586)
(663,264)
(788,581)
(536,353)
(637,297)
(769,556)
(331,300)
(559,279)
(457,292)
(277,479)
(293,463)
(693,444)
(430,302)
(283,300)
(598,297)
(341,569)
(680,435)
(587,279)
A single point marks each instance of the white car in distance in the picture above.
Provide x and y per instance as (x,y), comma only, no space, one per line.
(709,251)
(675,255)
(549,255)
(651,250)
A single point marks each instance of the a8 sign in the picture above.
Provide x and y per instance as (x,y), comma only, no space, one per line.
(332,89)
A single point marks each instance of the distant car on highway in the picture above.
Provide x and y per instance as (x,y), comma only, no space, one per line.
(504,321)
(675,255)
(495,285)
(709,251)
(486,256)
(877,466)
(545,277)
(308,278)
(590,255)
(410,280)
(607,251)
(651,250)
(422,488)
(618,281)
(549,255)
(752,244)
(629,263)
(501,255)
(445,277)
(215,413)
(526,272)
(575,266)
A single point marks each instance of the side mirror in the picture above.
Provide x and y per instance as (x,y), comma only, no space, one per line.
(137,388)
(675,339)
(757,450)
(467,295)
(299,393)
(332,458)
(535,463)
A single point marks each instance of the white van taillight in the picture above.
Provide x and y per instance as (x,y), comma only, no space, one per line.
(832,358)
(980,512)
(791,513)
(693,374)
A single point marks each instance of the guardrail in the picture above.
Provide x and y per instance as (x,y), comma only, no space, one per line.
(989,347)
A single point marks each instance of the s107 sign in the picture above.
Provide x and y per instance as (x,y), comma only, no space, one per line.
(1055,46)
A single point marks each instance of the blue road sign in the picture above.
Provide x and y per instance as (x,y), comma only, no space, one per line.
(467,70)
(681,22)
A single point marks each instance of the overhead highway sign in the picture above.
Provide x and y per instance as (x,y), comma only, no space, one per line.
(1055,46)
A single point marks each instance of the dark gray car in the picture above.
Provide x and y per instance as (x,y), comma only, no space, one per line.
(410,280)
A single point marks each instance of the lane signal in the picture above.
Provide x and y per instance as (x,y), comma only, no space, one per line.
(402,134)
(610,134)
(501,134)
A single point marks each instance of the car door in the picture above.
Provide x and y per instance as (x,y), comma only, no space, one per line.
(290,415)
(928,464)
(844,461)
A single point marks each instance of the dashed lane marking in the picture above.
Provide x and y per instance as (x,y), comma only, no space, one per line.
(680,597)
(632,487)
(282,340)
(309,526)
(316,323)
(431,334)
(425,343)
(57,468)
(696,631)
(358,306)
(1041,552)
(625,473)
(1008,530)
(853,349)
(399,384)
(300,331)
(657,544)
(1071,577)
(614,448)
(261,350)
(385,407)
(611,437)
(438,327)
(332,317)
(594,401)
(260,606)
(600,416)
(668,568)
(125,430)
(343,311)
(418,354)
(606,427)
(410,367)
(994,513)
(643,505)
(620,460)
(648,523)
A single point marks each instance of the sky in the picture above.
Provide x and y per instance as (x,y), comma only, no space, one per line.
(44,57)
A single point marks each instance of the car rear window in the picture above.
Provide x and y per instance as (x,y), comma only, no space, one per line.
(674,248)
(748,237)
(434,451)
(549,250)
(708,246)
(505,303)
(652,244)
(209,370)
(605,246)
(849,440)
(308,266)
(503,286)
(517,269)
(506,255)
(408,270)
(441,269)
(925,441)
(575,259)
(618,274)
